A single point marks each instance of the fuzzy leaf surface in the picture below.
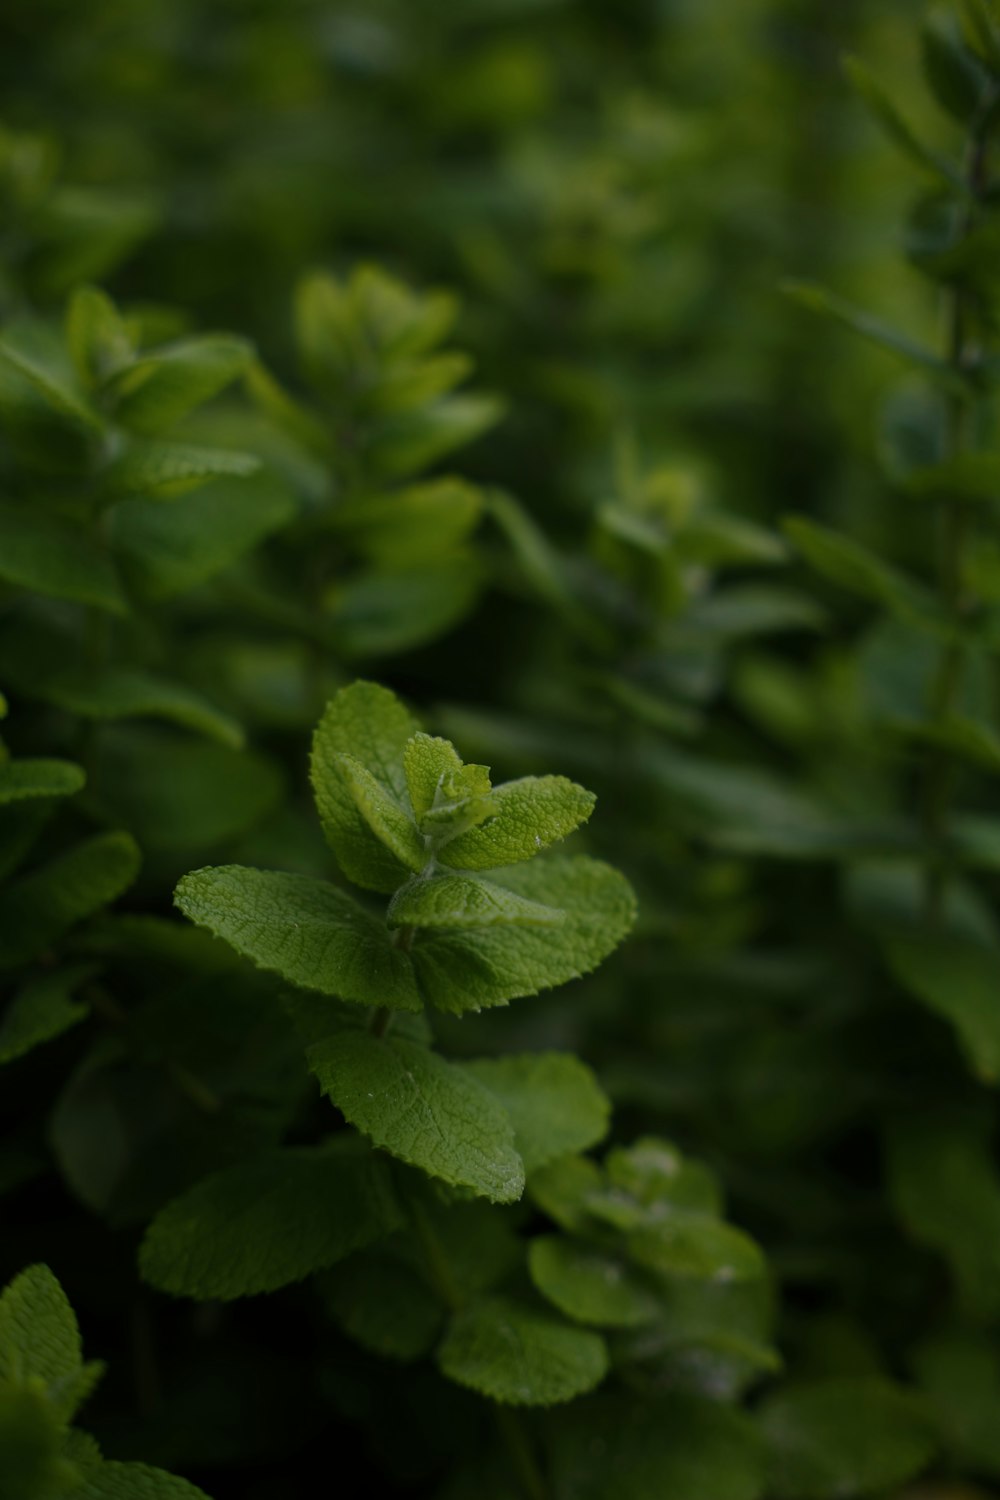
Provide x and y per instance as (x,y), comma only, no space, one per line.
(525,816)
(417,1106)
(521,1355)
(465,901)
(306,930)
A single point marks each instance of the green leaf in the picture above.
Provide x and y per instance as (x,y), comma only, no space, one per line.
(39,1337)
(370,724)
(270,1221)
(410,441)
(384,1304)
(460,970)
(841,1437)
(412,525)
(846,563)
(957,979)
(676,1445)
(652,1172)
(36,910)
(306,930)
(520,1355)
(390,823)
(969,476)
(57,557)
(21,779)
(31,1437)
(960,1373)
(161,387)
(98,338)
(116,1481)
(563,1188)
(525,816)
(895,126)
(169,549)
(162,471)
(965,737)
(590,1284)
(945,1188)
(422,1109)
(124,693)
(685,1242)
(379,613)
(427,762)
(818,299)
(465,901)
(553,1099)
(49,423)
(42,1009)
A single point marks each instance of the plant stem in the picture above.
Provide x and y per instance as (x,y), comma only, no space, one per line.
(940,769)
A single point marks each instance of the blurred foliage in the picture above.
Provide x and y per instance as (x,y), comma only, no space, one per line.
(512,410)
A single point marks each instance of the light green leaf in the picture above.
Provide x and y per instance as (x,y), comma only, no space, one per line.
(426,763)
(161,387)
(42,1009)
(116,1481)
(839,1437)
(959,980)
(124,693)
(31,1437)
(525,816)
(162,471)
(389,822)
(422,1109)
(468,969)
(169,549)
(303,929)
(676,1445)
(56,557)
(412,525)
(98,338)
(945,1188)
(553,1099)
(369,723)
(521,1355)
(465,901)
(590,1284)
(270,1221)
(21,779)
(37,909)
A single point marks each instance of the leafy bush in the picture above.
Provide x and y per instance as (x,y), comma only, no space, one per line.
(355,1115)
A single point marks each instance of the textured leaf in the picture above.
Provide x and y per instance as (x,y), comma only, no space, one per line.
(42,1009)
(164,470)
(369,723)
(303,929)
(161,387)
(959,980)
(37,909)
(428,1112)
(31,1436)
(427,761)
(589,1284)
(464,901)
(525,816)
(21,779)
(389,822)
(39,1337)
(58,558)
(843,1437)
(269,1221)
(521,1355)
(116,1481)
(121,693)
(467,969)
(168,549)
(676,1445)
(553,1099)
